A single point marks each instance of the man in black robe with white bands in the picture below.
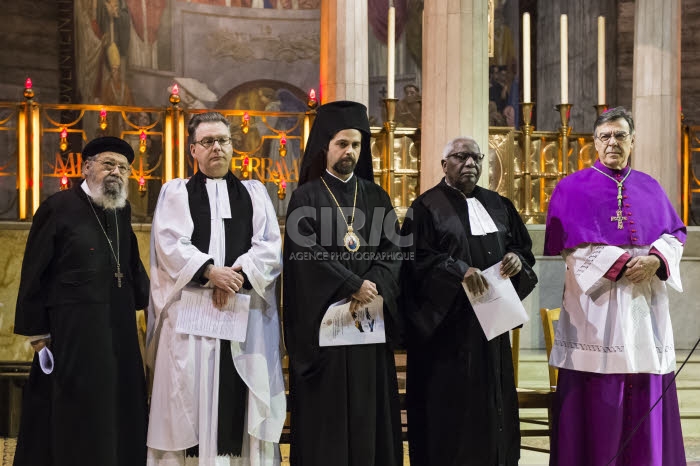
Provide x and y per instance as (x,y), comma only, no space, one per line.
(344,399)
(82,281)
(462,402)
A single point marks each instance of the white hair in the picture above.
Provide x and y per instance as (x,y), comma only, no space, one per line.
(450,146)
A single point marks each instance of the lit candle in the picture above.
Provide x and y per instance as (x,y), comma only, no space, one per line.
(564,59)
(526,58)
(390,52)
(601,60)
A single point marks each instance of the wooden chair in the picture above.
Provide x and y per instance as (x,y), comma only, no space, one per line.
(536,398)
(530,399)
(549,316)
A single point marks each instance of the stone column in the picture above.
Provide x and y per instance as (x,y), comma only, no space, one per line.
(344,68)
(455,81)
(656,93)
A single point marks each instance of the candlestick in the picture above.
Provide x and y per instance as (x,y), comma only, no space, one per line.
(601,60)
(528,211)
(526,58)
(600,109)
(563,162)
(390,50)
(564,59)
(387,177)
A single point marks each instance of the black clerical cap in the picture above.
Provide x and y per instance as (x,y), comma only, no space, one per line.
(108,144)
(330,119)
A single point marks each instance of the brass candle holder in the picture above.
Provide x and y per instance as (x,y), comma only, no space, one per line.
(387,176)
(527,129)
(601,108)
(564,130)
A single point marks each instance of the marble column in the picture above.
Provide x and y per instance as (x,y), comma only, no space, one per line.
(656,88)
(343,61)
(455,81)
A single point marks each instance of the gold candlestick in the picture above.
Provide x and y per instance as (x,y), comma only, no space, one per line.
(600,109)
(387,176)
(565,115)
(527,129)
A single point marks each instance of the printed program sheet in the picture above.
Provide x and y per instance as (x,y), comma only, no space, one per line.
(196,315)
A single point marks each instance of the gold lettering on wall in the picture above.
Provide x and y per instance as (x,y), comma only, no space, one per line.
(267,170)
(71,166)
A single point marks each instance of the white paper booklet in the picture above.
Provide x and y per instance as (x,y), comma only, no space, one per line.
(196,315)
(365,327)
(499,309)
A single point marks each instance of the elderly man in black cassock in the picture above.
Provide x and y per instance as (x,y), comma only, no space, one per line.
(341,242)
(462,403)
(82,281)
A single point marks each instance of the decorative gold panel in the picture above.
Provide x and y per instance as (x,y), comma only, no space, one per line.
(690,208)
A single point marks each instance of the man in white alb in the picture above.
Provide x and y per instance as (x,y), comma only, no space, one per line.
(215,401)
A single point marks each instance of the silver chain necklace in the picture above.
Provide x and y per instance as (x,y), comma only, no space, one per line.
(618,218)
(118,274)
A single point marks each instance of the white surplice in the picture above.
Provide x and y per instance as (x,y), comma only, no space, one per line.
(184,402)
(618,327)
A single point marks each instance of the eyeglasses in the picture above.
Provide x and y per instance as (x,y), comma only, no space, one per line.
(109,166)
(462,157)
(208,142)
(620,136)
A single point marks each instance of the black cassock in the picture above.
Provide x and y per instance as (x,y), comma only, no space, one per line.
(462,403)
(92,408)
(344,399)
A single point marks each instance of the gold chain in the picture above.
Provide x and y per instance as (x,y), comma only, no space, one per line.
(342,214)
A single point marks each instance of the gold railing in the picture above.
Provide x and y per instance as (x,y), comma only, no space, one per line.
(691,175)
(48,141)
(529,179)
(42,145)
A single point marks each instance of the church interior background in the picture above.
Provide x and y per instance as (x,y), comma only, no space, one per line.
(75,69)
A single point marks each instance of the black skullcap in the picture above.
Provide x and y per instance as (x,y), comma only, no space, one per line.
(330,119)
(108,144)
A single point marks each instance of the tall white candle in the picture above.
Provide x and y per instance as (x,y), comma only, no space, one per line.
(601,60)
(526,58)
(390,50)
(564,59)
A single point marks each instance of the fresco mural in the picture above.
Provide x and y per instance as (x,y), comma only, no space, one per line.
(129,52)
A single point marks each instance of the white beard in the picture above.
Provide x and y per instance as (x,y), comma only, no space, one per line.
(112,198)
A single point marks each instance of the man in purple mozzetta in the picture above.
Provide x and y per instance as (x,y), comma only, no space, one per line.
(622,242)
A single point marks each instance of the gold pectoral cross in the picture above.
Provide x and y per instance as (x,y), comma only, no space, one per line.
(119,275)
(619,218)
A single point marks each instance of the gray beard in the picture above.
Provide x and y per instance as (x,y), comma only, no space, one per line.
(110,195)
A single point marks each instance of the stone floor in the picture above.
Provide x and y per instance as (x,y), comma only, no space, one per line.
(528,458)
(533,374)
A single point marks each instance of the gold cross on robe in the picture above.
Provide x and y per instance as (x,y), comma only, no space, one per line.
(619,218)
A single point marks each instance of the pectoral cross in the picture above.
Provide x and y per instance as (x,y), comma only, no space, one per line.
(619,218)
(119,275)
